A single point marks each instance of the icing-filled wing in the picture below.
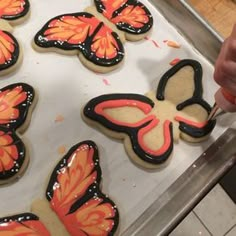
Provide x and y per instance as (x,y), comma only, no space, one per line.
(9,50)
(132,114)
(13,9)
(84,32)
(15,101)
(130,16)
(23,224)
(74,194)
(182,86)
(12,154)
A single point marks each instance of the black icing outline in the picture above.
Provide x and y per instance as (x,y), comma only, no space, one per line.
(20,150)
(15,54)
(89,112)
(125,26)
(22,107)
(195,99)
(19,218)
(84,47)
(19,15)
(92,191)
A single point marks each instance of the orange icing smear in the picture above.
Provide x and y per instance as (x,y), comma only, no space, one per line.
(167,137)
(99,109)
(192,123)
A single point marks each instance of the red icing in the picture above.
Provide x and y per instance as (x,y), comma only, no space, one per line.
(175,61)
(166,133)
(228,96)
(192,123)
(99,109)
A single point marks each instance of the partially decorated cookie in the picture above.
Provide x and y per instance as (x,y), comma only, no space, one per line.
(150,123)
(16,104)
(74,203)
(93,36)
(11,12)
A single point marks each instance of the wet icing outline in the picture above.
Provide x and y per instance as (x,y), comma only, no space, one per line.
(193,129)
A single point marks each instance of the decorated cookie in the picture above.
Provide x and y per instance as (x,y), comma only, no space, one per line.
(94,37)
(149,124)
(130,16)
(13,12)
(16,104)
(75,204)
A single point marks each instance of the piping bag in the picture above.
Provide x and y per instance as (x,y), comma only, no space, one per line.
(224,102)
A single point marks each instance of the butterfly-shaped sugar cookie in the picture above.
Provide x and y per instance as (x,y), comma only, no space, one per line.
(75,204)
(97,35)
(11,12)
(149,124)
(16,104)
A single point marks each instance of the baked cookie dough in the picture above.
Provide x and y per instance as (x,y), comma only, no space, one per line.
(96,38)
(16,104)
(150,123)
(12,12)
(74,203)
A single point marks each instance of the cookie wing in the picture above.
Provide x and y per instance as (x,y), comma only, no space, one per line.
(22,224)
(131,114)
(15,102)
(13,9)
(84,32)
(12,154)
(9,50)
(130,16)
(74,194)
(182,86)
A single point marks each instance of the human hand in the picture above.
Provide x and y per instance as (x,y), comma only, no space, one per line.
(225,74)
(225,67)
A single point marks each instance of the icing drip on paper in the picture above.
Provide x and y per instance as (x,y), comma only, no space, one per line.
(130,16)
(84,32)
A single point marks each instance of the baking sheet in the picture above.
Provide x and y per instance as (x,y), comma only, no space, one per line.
(64,85)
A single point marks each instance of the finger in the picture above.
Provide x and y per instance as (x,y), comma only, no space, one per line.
(224,72)
(231,45)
